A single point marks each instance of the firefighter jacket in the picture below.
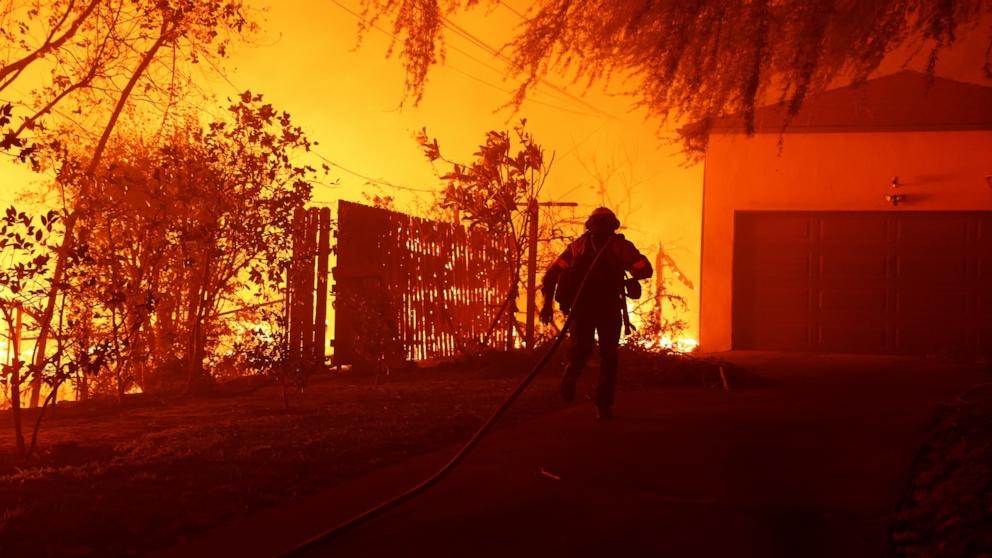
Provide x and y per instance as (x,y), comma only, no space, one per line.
(605,284)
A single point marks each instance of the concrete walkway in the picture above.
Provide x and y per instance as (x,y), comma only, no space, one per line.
(811,465)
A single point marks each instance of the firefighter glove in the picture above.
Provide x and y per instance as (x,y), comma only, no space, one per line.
(546,314)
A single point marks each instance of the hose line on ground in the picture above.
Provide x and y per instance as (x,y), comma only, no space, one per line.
(466,447)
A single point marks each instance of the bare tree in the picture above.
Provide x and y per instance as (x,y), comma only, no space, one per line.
(100,53)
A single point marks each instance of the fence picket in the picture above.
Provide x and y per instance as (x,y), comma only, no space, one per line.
(442,285)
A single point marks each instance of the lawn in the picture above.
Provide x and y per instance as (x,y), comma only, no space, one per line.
(123,478)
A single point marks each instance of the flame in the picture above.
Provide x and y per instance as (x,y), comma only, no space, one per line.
(6,348)
(518,342)
(681,344)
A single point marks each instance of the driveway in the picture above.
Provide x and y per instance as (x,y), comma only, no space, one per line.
(812,464)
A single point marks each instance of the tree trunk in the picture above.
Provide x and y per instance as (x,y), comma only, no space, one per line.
(194,323)
(52,396)
(15,380)
(15,404)
(65,249)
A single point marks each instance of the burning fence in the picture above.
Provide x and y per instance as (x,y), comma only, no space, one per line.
(408,288)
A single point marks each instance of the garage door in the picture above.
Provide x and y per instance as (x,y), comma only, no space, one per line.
(863,282)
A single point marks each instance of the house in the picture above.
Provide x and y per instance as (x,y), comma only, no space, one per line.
(864,227)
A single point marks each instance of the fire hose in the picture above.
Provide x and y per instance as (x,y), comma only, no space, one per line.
(466,448)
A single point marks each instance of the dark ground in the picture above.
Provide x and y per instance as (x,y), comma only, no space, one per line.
(813,464)
(124,479)
(948,507)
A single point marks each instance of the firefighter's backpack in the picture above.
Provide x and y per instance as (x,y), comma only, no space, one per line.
(583,254)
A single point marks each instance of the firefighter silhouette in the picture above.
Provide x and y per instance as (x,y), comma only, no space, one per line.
(599,307)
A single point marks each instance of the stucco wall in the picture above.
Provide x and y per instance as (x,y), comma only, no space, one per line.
(829,171)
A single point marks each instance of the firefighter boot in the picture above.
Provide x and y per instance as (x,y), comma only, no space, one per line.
(568,381)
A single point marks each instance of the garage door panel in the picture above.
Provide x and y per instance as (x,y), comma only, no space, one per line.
(985,339)
(933,269)
(788,228)
(932,303)
(871,282)
(852,302)
(931,230)
(779,301)
(852,229)
(983,308)
(848,266)
(984,268)
(764,265)
(983,247)
(983,237)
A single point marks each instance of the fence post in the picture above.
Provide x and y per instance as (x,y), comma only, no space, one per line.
(306,279)
(323,252)
(532,215)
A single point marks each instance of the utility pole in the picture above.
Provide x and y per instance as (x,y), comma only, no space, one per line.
(533,209)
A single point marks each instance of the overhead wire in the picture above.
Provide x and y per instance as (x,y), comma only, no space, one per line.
(376,181)
(370,179)
(503,3)
(456,48)
(496,53)
(497,87)
(480,43)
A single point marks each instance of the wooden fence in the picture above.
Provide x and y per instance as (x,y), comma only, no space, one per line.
(306,289)
(408,288)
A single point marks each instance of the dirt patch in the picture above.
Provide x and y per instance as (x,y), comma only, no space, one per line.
(121,479)
(948,511)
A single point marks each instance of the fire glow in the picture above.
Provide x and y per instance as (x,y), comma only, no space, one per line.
(681,344)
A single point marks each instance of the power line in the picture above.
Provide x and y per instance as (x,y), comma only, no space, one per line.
(368,179)
(485,46)
(347,170)
(502,73)
(497,87)
(520,14)
(465,53)
(371,180)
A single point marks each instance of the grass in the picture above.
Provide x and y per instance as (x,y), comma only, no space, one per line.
(122,479)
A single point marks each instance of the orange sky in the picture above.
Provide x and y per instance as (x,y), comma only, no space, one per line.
(349,100)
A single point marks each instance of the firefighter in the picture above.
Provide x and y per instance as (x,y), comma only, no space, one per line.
(599,309)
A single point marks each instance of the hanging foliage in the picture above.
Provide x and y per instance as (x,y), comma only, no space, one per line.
(694,60)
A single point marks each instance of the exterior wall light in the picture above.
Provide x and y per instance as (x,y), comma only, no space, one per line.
(895,199)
